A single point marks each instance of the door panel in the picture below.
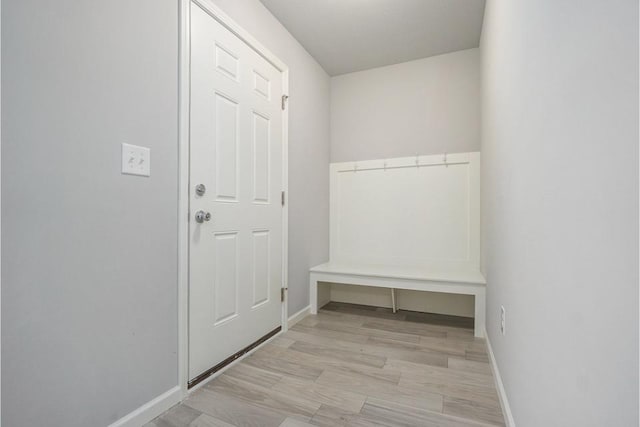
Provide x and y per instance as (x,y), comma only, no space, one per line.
(225,280)
(226,143)
(261,161)
(260,267)
(236,152)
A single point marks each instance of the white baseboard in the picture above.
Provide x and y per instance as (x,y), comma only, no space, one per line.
(298,316)
(502,395)
(150,410)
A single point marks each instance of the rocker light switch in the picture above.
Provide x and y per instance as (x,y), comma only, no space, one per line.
(136,160)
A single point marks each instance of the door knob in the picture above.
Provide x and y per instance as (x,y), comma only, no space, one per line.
(202,216)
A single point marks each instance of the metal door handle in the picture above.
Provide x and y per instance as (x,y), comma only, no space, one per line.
(202,216)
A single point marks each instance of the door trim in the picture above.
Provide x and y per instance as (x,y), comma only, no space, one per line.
(184,74)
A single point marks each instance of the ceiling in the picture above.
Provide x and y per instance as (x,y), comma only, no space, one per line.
(353,35)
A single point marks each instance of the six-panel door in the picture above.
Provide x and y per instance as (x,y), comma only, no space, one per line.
(236,153)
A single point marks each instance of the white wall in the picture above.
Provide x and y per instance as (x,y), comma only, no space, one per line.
(89,265)
(428,106)
(89,259)
(309,90)
(560,206)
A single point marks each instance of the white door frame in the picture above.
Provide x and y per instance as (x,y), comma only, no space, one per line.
(183,169)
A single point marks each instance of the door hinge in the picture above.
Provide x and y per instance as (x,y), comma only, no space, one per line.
(284,101)
(283,293)
(282,198)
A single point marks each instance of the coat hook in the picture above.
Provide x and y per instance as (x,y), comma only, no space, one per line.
(445,160)
(417,161)
(355,167)
(385,165)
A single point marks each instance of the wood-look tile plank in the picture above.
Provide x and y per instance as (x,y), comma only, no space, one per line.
(293,422)
(375,388)
(206,420)
(326,359)
(473,410)
(459,384)
(440,319)
(400,345)
(362,317)
(395,414)
(345,307)
(460,334)
(345,327)
(281,341)
(246,372)
(423,329)
(348,356)
(479,356)
(407,328)
(177,416)
(474,393)
(342,318)
(322,394)
(386,351)
(263,397)
(448,345)
(364,310)
(389,375)
(328,333)
(437,375)
(478,345)
(328,416)
(271,350)
(282,366)
(469,366)
(233,411)
(311,320)
(391,349)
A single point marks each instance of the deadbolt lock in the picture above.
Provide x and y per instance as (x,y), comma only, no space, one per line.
(201,189)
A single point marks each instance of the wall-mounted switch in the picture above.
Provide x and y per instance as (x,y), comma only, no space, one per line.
(503,316)
(136,160)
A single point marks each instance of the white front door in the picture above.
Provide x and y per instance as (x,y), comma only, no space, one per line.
(236,155)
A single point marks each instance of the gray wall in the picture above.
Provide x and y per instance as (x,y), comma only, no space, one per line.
(560,207)
(89,281)
(428,106)
(89,329)
(308,144)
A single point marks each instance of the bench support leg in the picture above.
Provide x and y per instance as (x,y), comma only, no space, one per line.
(313,294)
(480,313)
(393,300)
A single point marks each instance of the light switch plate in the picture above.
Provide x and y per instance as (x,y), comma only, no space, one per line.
(136,160)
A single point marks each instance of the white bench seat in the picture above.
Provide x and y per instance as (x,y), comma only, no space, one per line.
(452,280)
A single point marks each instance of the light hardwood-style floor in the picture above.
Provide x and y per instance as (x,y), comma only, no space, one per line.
(353,366)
